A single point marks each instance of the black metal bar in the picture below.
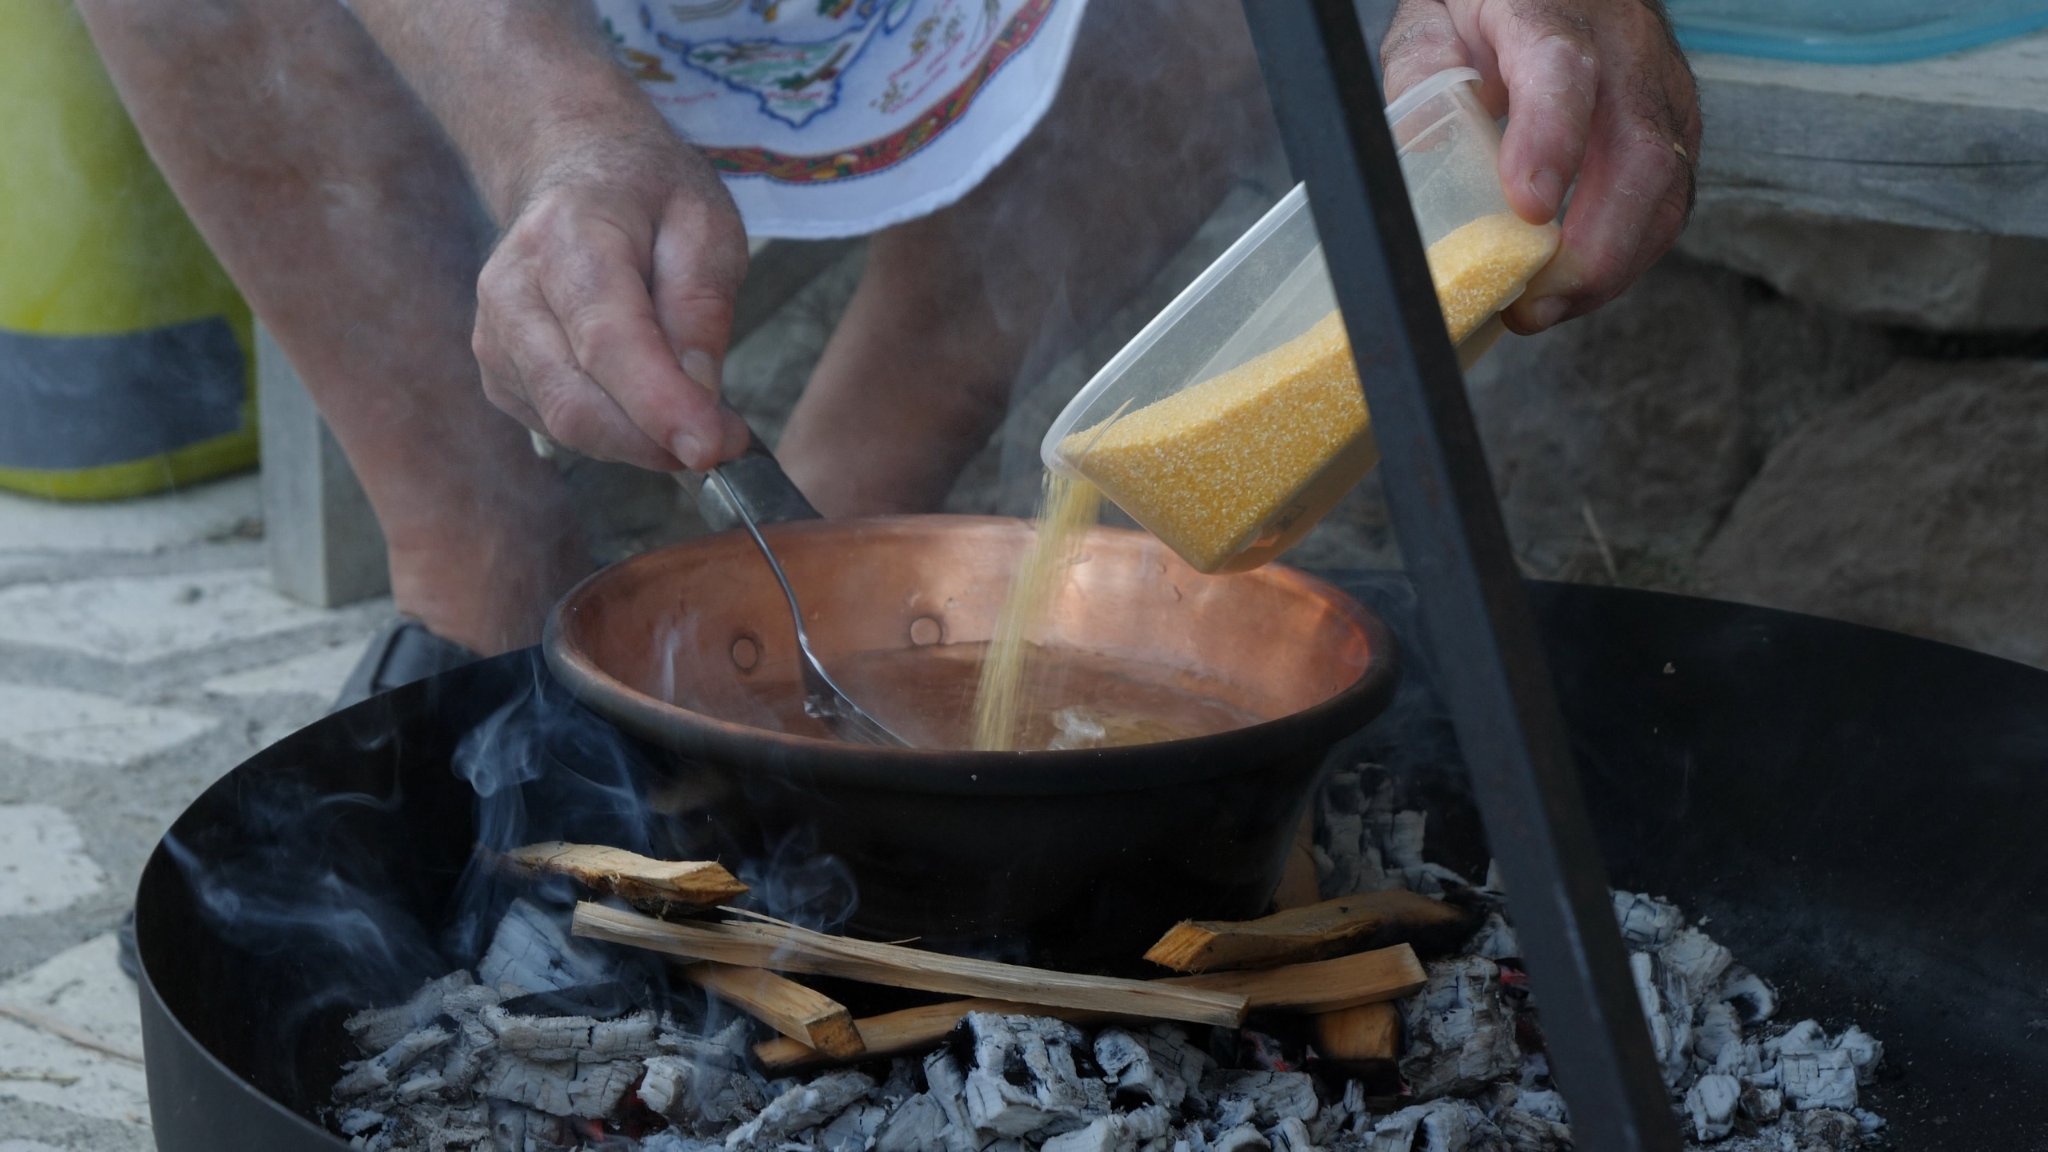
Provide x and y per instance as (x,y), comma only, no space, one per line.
(1440,496)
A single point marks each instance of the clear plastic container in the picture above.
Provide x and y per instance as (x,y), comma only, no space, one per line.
(1234,421)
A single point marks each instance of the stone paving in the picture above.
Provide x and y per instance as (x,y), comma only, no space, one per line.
(142,654)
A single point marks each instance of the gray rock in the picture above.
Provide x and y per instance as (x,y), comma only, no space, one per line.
(1919,505)
(1650,415)
(1882,273)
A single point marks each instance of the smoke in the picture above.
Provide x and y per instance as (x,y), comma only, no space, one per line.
(361,893)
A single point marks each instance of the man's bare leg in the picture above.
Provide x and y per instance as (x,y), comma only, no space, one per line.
(345,218)
(1161,109)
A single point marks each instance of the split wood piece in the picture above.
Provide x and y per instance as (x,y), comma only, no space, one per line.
(892,1033)
(1367,1034)
(1320,986)
(659,884)
(800,1013)
(786,948)
(1368,979)
(1319,931)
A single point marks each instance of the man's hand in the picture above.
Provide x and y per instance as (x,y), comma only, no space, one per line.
(1595,91)
(603,315)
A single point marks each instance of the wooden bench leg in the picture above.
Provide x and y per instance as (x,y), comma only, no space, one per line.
(322,539)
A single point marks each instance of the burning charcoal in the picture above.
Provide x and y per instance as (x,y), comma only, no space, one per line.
(1025,1081)
(1527,1132)
(1344,791)
(1824,1079)
(473,1044)
(1711,1104)
(1291,1135)
(375,1029)
(563,1088)
(378,1071)
(1343,839)
(1762,1105)
(1542,1103)
(1864,1052)
(917,1124)
(1694,958)
(357,1121)
(1646,922)
(607,1001)
(1243,1138)
(1266,1098)
(1716,1030)
(671,1140)
(1099,1136)
(1529,1119)
(1438,1126)
(699,1090)
(1120,1132)
(1668,1013)
(420,1085)
(551,1038)
(1402,847)
(533,952)
(517,1129)
(1461,1034)
(901,1083)
(801,1107)
(1496,939)
(949,1090)
(1175,1056)
(1128,1063)
(853,1130)
(1824,1130)
(1263,1051)
(1753,997)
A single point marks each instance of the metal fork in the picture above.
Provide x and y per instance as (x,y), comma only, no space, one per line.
(823,698)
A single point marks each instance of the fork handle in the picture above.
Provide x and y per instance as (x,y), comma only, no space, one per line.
(757,479)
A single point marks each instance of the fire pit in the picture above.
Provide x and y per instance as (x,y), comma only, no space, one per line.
(1781,777)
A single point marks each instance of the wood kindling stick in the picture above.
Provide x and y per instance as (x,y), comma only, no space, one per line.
(1315,932)
(1320,986)
(910,1029)
(1326,986)
(803,1014)
(628,875)
(786,948)
(1367,1034)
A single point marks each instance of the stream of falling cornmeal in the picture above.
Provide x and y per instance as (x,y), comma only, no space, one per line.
(1212,467)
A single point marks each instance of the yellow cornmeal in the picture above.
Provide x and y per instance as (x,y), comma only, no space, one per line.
(1065,510)
(1256,448)
(1480,268)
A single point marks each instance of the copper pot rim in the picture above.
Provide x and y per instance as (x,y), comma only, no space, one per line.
(1040,771)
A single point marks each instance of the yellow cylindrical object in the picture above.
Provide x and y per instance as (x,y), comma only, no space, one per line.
(126,355)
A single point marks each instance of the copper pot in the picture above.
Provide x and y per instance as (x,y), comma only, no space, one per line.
(1077,857)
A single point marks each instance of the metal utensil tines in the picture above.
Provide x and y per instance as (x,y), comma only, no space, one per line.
(823,698)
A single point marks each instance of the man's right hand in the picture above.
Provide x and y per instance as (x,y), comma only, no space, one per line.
(603,314)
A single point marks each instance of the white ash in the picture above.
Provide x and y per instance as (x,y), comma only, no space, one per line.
(454,1068)
(1460,1030)
(1739,1081)
(532,951)
(800,1107)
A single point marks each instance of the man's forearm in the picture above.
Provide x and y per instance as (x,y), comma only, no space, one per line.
(510,81)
